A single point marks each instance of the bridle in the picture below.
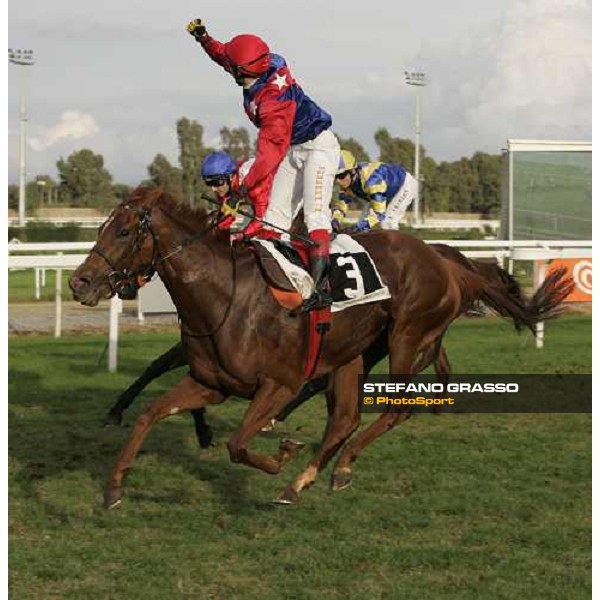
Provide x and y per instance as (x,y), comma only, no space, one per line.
(125,283)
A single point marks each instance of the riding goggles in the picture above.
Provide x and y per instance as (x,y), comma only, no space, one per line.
(245,70)
(216,181)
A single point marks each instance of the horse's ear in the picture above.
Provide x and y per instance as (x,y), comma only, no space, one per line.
(147,194)
(155,193)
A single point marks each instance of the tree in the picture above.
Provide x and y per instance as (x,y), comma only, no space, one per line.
(439,190)
(84,180)
(396,150)
(164,174)
(489,176)
(191,154)
(121,191)
(45,190)
(428,175)
(236,142)
(463,185)
(13,197)
(355,147)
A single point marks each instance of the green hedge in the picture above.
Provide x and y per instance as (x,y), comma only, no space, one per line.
(47,232)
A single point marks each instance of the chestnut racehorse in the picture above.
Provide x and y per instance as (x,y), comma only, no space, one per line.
(239,342)
(174,357)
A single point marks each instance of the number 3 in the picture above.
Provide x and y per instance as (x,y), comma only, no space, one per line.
(352,273)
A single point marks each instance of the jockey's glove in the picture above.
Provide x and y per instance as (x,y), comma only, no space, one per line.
(240,191)
(196,29)
(230,207)
(362,225)
(336,225)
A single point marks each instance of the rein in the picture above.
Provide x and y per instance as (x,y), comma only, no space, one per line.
(229,305)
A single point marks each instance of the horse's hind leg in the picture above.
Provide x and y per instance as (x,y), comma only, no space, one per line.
(309,389)
(442,366)
(403,350)
(343,419)
(443,369)
(186,395)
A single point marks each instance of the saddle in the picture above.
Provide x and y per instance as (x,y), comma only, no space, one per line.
(280,285)
(352,276)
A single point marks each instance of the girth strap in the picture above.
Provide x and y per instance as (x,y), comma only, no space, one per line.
(319,323)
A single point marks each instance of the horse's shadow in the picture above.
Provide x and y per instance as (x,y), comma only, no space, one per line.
(51,436)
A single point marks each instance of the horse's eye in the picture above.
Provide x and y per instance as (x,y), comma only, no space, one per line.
(124,232)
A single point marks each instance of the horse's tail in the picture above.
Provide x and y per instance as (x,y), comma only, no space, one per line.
(501,297)
(491,272)
(547,302)
(494,273)
(474,286)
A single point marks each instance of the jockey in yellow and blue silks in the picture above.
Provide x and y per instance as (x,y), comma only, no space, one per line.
(388,189)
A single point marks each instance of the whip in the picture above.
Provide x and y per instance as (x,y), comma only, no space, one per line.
(244,213)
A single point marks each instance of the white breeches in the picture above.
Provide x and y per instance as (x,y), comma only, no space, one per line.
(305,179)
(400,202)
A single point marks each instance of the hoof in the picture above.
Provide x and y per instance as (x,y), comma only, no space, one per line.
(341,479)
(112,497)
(113,420)
(205,438)
(287,496)
(292,447)
(269,427)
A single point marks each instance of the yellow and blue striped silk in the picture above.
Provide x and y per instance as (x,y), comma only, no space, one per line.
(376,183)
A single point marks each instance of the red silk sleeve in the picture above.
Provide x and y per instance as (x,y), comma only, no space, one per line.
(274,137)
(216,51)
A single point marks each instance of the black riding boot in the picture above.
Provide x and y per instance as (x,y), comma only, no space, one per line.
(321,297)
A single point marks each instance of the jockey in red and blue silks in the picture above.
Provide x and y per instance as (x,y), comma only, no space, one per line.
(295,144)
(222,173)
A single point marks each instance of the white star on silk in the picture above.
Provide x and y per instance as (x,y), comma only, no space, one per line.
(280,81)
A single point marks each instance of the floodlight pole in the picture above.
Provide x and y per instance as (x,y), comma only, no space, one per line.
(417,79)
(23,58)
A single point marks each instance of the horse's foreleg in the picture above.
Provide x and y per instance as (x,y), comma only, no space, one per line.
(343,419)
(204,433)
(171,359)
(268,402)
(186,395)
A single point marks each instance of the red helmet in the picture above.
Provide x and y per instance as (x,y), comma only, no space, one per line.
(248,54)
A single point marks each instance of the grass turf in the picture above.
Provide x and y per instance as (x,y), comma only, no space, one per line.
(454,506)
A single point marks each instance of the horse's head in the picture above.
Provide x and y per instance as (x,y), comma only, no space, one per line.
(125,253)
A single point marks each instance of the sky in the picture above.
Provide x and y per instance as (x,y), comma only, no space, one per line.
(115,78)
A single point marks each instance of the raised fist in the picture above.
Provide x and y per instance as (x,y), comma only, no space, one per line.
(196,29)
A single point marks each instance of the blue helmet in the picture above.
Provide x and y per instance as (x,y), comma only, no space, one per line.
(218,163)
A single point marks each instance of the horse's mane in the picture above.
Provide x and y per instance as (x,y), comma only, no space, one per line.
(180,210)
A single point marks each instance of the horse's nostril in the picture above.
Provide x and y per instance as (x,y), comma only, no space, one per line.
(78,283)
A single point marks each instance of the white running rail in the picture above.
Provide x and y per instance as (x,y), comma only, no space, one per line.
(26,256)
